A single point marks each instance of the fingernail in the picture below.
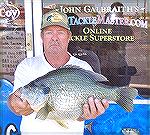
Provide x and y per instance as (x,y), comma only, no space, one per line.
(24,100)
(104,101)
(90,98)
(86,106)
(96,100)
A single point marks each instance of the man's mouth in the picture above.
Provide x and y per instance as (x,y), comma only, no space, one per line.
(54,44)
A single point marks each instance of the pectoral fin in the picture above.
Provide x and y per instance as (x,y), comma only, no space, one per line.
(43,112)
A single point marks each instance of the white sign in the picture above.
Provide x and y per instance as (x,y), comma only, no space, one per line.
(9,12)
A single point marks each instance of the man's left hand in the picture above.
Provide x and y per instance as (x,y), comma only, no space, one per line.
(93,108)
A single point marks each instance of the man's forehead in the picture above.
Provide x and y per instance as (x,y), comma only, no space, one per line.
(55,28)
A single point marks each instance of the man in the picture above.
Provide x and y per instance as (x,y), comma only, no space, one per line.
(55,34)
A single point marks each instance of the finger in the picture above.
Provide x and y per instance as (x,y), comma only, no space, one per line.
(17,93)
(20,106)
(99,106)
(27,111)
(25,102)
(105,103)
(21,103)
(92,107)
(86,111)
(81,118)
(17,101)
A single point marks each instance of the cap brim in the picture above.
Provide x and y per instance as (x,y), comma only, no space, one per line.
(56,24)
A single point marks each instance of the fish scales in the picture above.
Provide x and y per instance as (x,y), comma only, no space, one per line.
(60,94)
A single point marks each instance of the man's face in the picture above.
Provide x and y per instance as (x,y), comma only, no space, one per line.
(55,39)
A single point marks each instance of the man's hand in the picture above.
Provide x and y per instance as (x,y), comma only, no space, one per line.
(93,108)
(19,106)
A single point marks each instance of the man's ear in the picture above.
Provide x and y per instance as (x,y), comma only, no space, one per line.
(42,34)
(70,34)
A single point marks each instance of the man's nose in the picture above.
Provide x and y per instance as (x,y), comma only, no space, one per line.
(55,37)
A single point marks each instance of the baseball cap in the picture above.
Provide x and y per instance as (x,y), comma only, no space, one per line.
(55,18)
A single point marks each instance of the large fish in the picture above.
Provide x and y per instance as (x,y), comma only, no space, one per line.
(61,93)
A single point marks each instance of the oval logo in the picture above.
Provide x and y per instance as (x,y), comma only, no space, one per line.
(9,12)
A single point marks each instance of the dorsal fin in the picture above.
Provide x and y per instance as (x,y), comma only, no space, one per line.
(70,66)
(95,76)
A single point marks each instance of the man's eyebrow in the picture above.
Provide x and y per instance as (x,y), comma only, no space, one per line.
(48,30)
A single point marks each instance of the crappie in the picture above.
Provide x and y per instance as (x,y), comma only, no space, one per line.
(61,93)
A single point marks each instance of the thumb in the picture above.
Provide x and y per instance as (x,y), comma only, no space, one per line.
(25,102)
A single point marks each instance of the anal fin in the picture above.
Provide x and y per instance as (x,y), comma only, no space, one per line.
(62,123)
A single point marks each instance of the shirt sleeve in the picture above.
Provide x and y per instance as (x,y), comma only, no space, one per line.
(22,75)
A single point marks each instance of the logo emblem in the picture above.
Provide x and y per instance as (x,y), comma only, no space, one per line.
(54,17)
(9,12)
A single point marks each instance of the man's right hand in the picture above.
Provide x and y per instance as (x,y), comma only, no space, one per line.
(19,106)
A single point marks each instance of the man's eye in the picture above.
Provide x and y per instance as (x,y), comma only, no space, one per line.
(48,32)
(61,32)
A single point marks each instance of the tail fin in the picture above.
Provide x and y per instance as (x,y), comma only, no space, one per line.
(125,97)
